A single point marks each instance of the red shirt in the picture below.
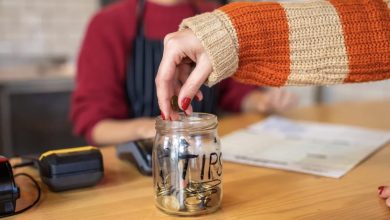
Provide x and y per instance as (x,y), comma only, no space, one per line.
(101,70)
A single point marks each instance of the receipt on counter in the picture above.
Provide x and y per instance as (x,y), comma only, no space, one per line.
(308,147)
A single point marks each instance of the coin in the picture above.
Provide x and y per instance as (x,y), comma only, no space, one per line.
(194,187)
(204,202)
(175,103)
(164,190)
(211,184)
(191,189)
(192,203)
(203,195)
(192,196)
(215,198)
(171,203)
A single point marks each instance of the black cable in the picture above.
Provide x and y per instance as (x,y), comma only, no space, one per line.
(38,191)
(32,204)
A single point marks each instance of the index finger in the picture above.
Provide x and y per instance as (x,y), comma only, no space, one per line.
(164,79)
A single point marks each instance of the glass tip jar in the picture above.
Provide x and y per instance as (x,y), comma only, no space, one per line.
(187,165)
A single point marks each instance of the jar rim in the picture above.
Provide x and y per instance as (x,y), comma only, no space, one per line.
(196,121)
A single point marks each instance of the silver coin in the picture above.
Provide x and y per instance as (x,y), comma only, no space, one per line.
(171,203)
(164,190)
(192,204)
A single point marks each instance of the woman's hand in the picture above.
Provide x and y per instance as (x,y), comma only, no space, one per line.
(177,74)
(112,132)
(274,100)
(384,193)
(145,128)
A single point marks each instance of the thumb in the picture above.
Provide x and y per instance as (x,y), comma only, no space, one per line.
(192,85)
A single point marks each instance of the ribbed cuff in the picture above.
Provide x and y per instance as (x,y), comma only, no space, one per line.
(219,39)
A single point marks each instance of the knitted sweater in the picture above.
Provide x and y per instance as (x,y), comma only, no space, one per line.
(310,42)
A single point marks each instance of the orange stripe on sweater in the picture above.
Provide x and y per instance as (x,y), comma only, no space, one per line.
(367,33)
(264,54)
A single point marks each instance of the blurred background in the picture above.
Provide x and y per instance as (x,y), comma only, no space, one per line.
(39,41)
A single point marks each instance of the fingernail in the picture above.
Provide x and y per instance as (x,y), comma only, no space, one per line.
(162,116)
(170,118)
(380,189)
(185,113)
(185,103)
(197,98)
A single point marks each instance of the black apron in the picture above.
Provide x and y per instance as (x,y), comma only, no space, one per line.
(141,71)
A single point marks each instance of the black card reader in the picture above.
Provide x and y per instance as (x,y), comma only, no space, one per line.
(138,153)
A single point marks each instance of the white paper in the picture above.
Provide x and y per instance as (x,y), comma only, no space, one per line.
(315,148)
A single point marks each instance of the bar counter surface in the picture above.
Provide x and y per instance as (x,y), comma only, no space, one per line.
(249,192)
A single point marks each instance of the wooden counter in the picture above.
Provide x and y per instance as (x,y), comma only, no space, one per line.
(249,192)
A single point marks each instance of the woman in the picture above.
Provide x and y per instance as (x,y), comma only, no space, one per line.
(276,44)
(115,100)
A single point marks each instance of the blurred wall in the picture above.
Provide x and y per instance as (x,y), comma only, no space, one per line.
(39,39)
(358,92)
(31,28)
(344,93)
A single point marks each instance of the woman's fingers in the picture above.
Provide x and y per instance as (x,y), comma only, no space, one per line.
(288,101)
(185,70)
(278,105)
(275,96)
(199,96)
(166,76)
(191,87)
(384,192)
(189,110)
(281,100)
(181,48)
(164,102)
